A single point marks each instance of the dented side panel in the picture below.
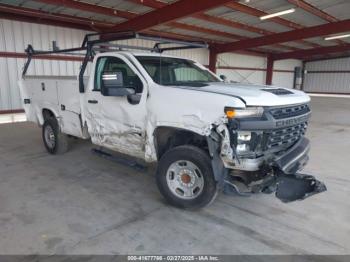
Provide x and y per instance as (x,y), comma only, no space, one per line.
(118,125)
(113,122)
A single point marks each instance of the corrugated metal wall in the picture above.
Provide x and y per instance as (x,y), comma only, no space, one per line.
(285,79)
(258,76)
(328,76)
(14,37)
(245,76)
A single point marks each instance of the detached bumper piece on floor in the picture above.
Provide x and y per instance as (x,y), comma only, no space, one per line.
(287,187)
(297,187)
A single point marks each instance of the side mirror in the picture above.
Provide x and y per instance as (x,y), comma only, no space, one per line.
(223,78)
(112,84)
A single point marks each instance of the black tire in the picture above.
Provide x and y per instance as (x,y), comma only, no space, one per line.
(202,160)
(59,141)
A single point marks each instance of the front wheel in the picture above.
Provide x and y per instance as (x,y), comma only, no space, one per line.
(55,142)
(185,177)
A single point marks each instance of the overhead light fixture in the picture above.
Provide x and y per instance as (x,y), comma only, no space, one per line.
(264,17)
(337,37)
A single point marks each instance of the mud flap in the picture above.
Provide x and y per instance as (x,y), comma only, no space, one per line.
(297,187)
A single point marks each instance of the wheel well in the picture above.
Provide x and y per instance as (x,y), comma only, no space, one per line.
(168,137)
(47,113)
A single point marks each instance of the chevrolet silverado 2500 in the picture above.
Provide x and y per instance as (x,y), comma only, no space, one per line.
(205,134)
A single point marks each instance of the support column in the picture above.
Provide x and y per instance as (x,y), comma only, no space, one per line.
(269,70)
(303,75)
(212,60)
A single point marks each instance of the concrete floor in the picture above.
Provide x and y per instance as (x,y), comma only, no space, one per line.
(78,203)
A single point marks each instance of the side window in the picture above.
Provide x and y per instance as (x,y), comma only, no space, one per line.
(114,64)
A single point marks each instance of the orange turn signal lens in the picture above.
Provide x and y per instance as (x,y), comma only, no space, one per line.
(230,113)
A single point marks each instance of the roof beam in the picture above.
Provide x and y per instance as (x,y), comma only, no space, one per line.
(230,23)
(257,13)
(234,24)
(179,36)
(168,13)
(314,31)
(218,20)
(335,56)
(214,32)
(40,17)
(213,19)
(90,8)
(315,11)
(156,5)
(278,20)
(205,30)
(150,3)
(312,52)
(128,15)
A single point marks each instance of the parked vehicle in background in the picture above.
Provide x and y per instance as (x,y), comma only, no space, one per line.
(205,134)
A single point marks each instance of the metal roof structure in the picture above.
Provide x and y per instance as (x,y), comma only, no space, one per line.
(226,25)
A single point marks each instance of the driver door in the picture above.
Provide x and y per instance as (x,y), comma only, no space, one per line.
(116,117)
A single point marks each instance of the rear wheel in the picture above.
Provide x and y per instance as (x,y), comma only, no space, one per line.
(185,177)
(55,142)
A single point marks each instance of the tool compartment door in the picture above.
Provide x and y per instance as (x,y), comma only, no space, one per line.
(38,92)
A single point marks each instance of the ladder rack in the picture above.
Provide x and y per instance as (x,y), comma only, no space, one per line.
(102,42)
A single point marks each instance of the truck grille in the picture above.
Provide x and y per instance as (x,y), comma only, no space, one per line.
(285,137)
(285,112)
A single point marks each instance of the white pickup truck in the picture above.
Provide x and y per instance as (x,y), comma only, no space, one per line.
(205,134)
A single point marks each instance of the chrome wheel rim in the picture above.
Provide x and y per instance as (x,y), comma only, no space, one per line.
(50,138)
(185,180)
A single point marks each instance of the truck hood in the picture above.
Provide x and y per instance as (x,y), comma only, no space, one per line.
(254,95)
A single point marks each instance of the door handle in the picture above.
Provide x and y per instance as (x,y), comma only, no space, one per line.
(92,101)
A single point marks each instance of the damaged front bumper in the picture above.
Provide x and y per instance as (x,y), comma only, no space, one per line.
(280,175)
(295,158)
(290,185)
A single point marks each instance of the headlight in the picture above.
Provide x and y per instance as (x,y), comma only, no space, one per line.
(244,136)
(243,112)
(243,141)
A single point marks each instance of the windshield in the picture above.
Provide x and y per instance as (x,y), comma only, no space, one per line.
(175,71)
